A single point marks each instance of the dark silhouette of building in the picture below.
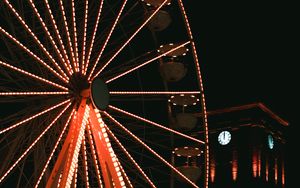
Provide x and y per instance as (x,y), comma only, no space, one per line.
(247,147)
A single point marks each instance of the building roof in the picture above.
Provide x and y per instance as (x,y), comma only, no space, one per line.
(253,106)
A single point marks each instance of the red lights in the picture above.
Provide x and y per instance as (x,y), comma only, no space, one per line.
(276,171)
(143,64)
(152,92)
(33,117)
(67,32)
(90,49)
(282,174)
(195,56)
(151,150)
(56,51)
(33,75)
(155,124)
(254,163)
(107,39)
(34,143)
(38,59)
(234,165)
(267,169)
(130,38)
(212,169)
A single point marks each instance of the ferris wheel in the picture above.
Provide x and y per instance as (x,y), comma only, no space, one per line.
(100,94)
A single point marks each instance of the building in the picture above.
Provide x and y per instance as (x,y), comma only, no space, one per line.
(247,147)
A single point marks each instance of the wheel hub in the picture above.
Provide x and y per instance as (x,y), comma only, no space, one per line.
(78,83)
(97,90)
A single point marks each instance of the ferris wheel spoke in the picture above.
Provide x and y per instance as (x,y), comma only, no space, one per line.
(86,11)
(33,55)
(75,36)
(154,124)
(47,32)
(130,157)
(68,64)
(32,75)
(85,163)
(74,181)
(95,160)
(72,144)
(130,38)
(34,116)
(107,39)
(153,92)
(147,62)
(107,157)
(34,143)
(23,23)
(124,174)
(90,49)
(33,93)
(149,148)
(53,150)
(62,9)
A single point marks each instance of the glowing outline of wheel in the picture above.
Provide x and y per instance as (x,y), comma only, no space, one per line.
(69,66)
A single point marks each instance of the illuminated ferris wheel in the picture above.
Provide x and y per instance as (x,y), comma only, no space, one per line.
(100,94)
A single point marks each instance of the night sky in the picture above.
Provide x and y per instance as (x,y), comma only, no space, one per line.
(247,53)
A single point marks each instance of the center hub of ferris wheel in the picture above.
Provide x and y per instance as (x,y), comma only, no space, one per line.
(77,84)
(97,90)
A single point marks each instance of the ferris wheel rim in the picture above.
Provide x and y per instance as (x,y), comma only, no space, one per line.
(73,65)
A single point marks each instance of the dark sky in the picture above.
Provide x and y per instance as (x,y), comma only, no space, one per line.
(248,54)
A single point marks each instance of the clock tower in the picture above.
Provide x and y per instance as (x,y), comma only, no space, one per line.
(247,147)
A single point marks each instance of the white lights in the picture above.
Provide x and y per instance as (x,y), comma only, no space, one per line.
(85,163)
(106,41)
(67,66)
(34,116)
(153,93)
(132,36)
(77,142)
(67,31)
(32,93)
(194,51)
(176,53)
(32,75)
(53,150)
(48,34)
(94,35)
(104,150)
(32,54)
(141,65)
(184,99)
(129,156)
(62,62)
(34,36)
(75,36)
(84,67)
(155,124)
(151,150)
(94,156)
(33,144)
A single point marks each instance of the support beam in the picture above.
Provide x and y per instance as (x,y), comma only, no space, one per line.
(111,171)
(68,156)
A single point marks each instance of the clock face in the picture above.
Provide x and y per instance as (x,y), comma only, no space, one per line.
(270,141)
(224,137)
